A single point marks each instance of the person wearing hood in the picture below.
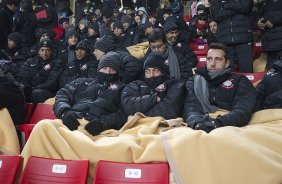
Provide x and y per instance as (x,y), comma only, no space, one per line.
(40,75)
(143,14)
(83,29)
(156,94)
(40,34)
(95,99)
(25,22)
(84,65)
(11,93)
(269,90)
(215,88)
(131,67)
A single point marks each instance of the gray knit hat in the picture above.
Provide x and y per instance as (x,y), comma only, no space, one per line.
(126,19)
(71,32)
(111,59)
(84,21)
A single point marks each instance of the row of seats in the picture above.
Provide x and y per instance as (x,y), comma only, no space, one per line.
(46,170)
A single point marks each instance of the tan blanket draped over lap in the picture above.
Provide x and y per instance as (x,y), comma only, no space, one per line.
(9,143)
(247,155)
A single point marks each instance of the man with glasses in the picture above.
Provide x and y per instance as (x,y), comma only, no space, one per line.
(179,67)
(214,88)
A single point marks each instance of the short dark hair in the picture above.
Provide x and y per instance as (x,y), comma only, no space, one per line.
(10,2)
(155,35)
(222,47)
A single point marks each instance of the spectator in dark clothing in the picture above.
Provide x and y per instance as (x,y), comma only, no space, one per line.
(156,95)
(169,16)
(63,8)
(83,29)
(143,14)
(142,32)
(67,50)
(270,22)
(26,23)
(180,45)
(179,68)
(97,100)
(40,75)
(234,30)
(49,17)
(131,67)
(60,29)
(83,66)
(11,94)
(128,29)
(40,34)
(214,88)
(199,30)
(212,32)
(6,19)
(269,91)
(17,52)
(93,34)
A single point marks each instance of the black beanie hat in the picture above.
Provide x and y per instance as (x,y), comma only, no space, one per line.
(111,59)
(39,32)
(70,32)
(105,44)
(117,24)
(85,45)
(46,43)
(146,25)
(201,7)
(169,26)
(126,19)
(16,37)
(156,60)
(95,27)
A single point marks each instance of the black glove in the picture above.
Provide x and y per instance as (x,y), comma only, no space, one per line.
(207,126)
(94,127)
(111,95)
(69,120)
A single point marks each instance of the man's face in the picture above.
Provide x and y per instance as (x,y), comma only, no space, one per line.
(98,12)
(45,53)
(125,25)
(98,54)
(152,20)
(213,26)
(117,31)
(148,30)
(152,72)
(11,44)
(216,60)
(81,26)
(72,40)
(171,36)
(91,32)
(137,19)
(44,36)
(158,46)
(108,70)
(80,54)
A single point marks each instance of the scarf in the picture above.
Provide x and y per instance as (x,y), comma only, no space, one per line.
(71,53)
(173,64)
(202,91)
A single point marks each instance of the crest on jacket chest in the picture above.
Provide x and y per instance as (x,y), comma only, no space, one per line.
(228,84)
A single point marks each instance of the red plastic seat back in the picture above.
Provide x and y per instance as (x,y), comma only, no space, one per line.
(26,131)
(29,111)
(257,49)
(131,173)
(199,49)
(42,111)
(202,61)
(9,166)
(46,170)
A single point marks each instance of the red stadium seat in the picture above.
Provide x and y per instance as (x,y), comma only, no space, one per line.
(29,111)
(46,171)
(42,111)
(253,77)
(202,61)
(131,173)
(9,166)
(199,49)
(257,49)
(26,131)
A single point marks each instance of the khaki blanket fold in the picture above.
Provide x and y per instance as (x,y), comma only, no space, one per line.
(9,143)
(247,155)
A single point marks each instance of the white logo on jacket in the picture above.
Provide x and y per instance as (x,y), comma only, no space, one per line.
(228,84)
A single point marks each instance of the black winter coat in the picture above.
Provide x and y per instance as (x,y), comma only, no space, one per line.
(272,38)
(231,92)
(234,23)
(40,74)
(269,91)
(86,68)
(91,98)
(6,19)
(139,97)
(12,98)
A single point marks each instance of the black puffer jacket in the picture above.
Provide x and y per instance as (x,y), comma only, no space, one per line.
(139,97)
(269,91)
(86,68)
(6,19)
(83,97)
(234,23)
(272,38)
(231,92)
(131,67)
(40,74)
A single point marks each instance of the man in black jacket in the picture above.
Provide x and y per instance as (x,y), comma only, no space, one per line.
(270,23)
(179,67)
(40,75)
(235,30)
(156,95)
(95,99)
(214,88)
(269,91)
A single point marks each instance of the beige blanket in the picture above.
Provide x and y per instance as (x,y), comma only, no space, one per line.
(248,155)
(9,143)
